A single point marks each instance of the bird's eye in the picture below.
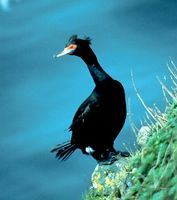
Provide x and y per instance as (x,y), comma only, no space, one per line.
(72,46)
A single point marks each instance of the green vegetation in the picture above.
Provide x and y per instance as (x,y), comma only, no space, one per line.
(150,173)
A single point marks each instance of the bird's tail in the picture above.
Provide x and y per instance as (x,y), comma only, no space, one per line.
(64,150)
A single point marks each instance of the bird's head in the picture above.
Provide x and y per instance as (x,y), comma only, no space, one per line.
(75,46)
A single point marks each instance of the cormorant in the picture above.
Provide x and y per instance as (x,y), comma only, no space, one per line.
(101,116)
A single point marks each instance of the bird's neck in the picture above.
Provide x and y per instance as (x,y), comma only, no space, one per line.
(96,71)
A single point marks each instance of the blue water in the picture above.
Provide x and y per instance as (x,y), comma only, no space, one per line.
(39,95)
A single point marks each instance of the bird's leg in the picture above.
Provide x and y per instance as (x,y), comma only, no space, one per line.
(106,157)
(109,156)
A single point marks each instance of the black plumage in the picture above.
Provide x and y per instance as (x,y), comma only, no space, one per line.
(100,118)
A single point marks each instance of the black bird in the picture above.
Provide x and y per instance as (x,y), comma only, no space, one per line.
(101,116)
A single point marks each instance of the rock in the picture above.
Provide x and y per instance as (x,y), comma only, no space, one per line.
(108,180)
(142,136)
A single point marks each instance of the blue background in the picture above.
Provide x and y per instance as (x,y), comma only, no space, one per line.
(39,95)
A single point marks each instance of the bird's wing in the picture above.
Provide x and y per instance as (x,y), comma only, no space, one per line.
(89,110)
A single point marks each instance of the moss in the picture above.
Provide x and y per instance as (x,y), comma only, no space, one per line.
(156,163)
(150,173)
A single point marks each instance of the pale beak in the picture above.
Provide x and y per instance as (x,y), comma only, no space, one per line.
(64,52)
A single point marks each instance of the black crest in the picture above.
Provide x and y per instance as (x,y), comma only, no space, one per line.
(87,39)
(74,38)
